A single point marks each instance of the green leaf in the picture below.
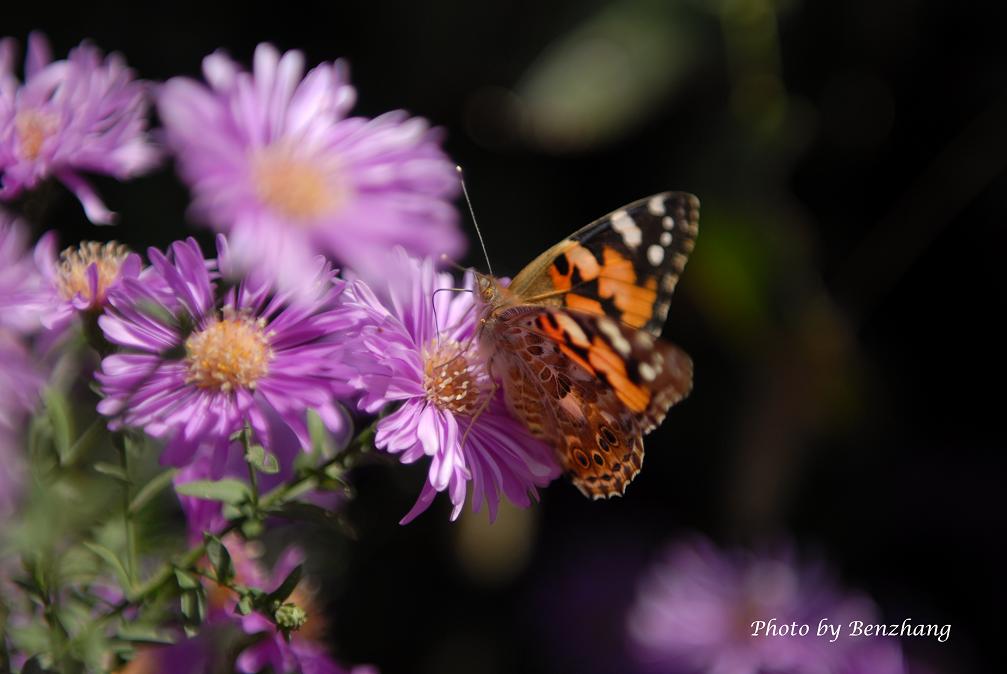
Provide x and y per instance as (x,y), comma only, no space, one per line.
(321,440)
(112,470)
(151,489)
(244,606)
(112,560)
(58,411)
(220,558)
(193,605)
(82,443)
(185,580)
(252,528)
(281,593)
(144,634)
(228,490)
(261,460)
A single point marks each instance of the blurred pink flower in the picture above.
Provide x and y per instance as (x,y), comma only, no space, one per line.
(274,161)
(24,299)
(694,613)
(83,114)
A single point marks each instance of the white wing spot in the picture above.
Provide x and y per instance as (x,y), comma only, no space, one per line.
(665,238)
(669,282)
(623,223)
(615,338)
(656,206)
(668,222)
(655,254)
(574,330)
(647,371)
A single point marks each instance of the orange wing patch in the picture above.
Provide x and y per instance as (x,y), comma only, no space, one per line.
(617,280)
(605,360)
(571,340)
(575,261)
(585,304)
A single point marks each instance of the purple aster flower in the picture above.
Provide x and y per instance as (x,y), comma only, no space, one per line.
(79,279)
(695,613)
(199,363)
(84,113)
(416,349)
(23,300)
(199,654)
(274,161)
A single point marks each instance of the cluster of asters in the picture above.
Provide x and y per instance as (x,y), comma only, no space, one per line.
(197,347)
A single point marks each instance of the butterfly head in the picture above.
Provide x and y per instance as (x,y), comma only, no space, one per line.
(488,288)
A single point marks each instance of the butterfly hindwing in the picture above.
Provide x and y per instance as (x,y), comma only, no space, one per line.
(589,386)
(624,266)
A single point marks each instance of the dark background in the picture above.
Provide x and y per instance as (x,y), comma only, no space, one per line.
(840,307)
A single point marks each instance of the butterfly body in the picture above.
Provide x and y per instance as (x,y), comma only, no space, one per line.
(574,338)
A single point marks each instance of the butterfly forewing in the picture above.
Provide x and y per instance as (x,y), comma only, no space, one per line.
(625,265)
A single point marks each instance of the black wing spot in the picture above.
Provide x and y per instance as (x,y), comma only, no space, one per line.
(608,435)
(562,265)
(598,459)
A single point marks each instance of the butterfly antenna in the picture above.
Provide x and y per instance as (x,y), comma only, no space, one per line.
(472,212)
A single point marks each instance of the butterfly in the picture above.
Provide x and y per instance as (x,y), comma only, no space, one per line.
(573,338)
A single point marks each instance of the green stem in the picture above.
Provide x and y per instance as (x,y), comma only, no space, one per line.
(253,474)
(132,565)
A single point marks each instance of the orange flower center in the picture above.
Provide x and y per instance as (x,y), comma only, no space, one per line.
(72,275)
(450,378)
(298,187)
(228,353)
(33,127)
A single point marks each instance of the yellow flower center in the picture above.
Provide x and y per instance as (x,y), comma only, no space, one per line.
(450,379)
(301,188)
(228,353)
(72,276)
(33,127)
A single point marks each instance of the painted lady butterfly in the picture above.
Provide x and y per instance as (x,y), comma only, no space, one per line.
(574,338)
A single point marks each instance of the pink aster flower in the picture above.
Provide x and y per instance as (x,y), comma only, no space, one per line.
(695,613)
(79,279)
(416,349)
(198,362)
(273,160)
(82,114)
(23,299)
